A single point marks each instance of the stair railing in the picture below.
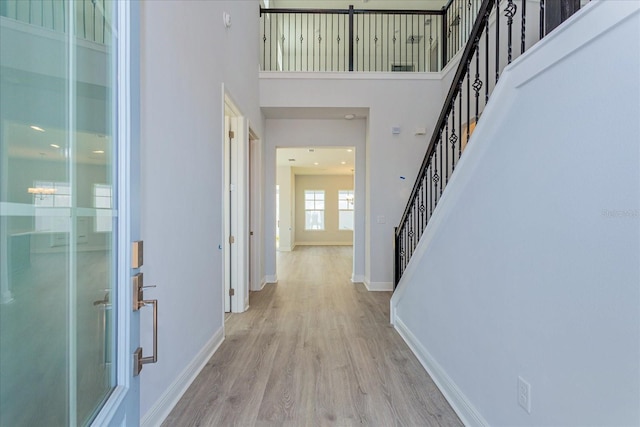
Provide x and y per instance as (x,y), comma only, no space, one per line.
(501,32)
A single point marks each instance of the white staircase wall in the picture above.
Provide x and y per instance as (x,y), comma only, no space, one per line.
(530,266)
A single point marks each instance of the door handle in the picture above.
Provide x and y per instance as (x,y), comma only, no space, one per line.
(138,302)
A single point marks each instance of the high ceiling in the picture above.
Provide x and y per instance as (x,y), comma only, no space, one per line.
(359,4)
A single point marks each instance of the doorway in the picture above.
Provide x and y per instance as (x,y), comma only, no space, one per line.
(315,202)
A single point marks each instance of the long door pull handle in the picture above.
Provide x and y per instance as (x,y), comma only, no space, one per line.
(139,360)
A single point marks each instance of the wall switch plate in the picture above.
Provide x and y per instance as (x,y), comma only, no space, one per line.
(524,395)
(395,130)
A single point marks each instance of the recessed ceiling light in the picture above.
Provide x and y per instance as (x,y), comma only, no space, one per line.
(343,163)
(316,163)
(98,152)
(55,145)
(349,150)
(39,129)
(349,116)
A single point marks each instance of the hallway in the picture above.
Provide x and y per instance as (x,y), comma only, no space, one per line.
(313,350)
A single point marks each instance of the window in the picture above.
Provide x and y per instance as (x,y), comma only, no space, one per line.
(313,209)
(102,200)
(345,209)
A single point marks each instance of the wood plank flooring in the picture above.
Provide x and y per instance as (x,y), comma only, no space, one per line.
(313,350)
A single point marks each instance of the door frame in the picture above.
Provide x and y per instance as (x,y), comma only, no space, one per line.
(123,405)
(235,207)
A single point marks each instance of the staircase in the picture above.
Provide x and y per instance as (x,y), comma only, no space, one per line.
(521,299)
(503,30)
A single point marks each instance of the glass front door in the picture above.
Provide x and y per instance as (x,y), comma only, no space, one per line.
(58,217)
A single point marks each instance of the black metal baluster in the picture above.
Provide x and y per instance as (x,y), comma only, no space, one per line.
(348,57)
(441,177)
(264,40)
(468,98)
(423,197)
(418,47)
(477,83)
(509,12)
(541,19)
(460,120)
(486,53)
(375,40)
(453,138)
(431,184)
(332,20)
(445,40)
(497,40)
(394,43)
(446,152)
(388,38)
(523,32)
(326,47)
(369,39)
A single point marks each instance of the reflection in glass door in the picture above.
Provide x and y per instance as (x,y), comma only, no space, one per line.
(57,211)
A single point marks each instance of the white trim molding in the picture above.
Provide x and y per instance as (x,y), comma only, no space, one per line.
(357,278)
(458,401)
(163,406)
(378,286)
(272,278)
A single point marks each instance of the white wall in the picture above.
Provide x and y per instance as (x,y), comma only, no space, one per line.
(286,181)
(408,101)
(529,266)
(314,133)
(186,56)
(331,185)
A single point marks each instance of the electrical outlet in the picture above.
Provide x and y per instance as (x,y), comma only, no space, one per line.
(524,394)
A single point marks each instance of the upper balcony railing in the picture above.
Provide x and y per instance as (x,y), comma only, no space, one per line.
(89,22)
(364,40)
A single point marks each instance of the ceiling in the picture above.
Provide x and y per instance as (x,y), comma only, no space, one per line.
(358,4)
(329,160)
(46,143)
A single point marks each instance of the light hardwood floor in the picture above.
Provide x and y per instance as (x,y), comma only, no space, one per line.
(313,350)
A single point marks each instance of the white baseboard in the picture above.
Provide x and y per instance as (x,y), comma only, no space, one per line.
(161,409)
(463,408)
(271,279)
(378,286)
(286,248)
(263,283)
(357,278)
(349,243)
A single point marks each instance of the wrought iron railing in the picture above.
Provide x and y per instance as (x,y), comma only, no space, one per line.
(364,40)
(90,22)
(503,30)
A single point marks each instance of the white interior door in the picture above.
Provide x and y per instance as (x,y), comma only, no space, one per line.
(236,210)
